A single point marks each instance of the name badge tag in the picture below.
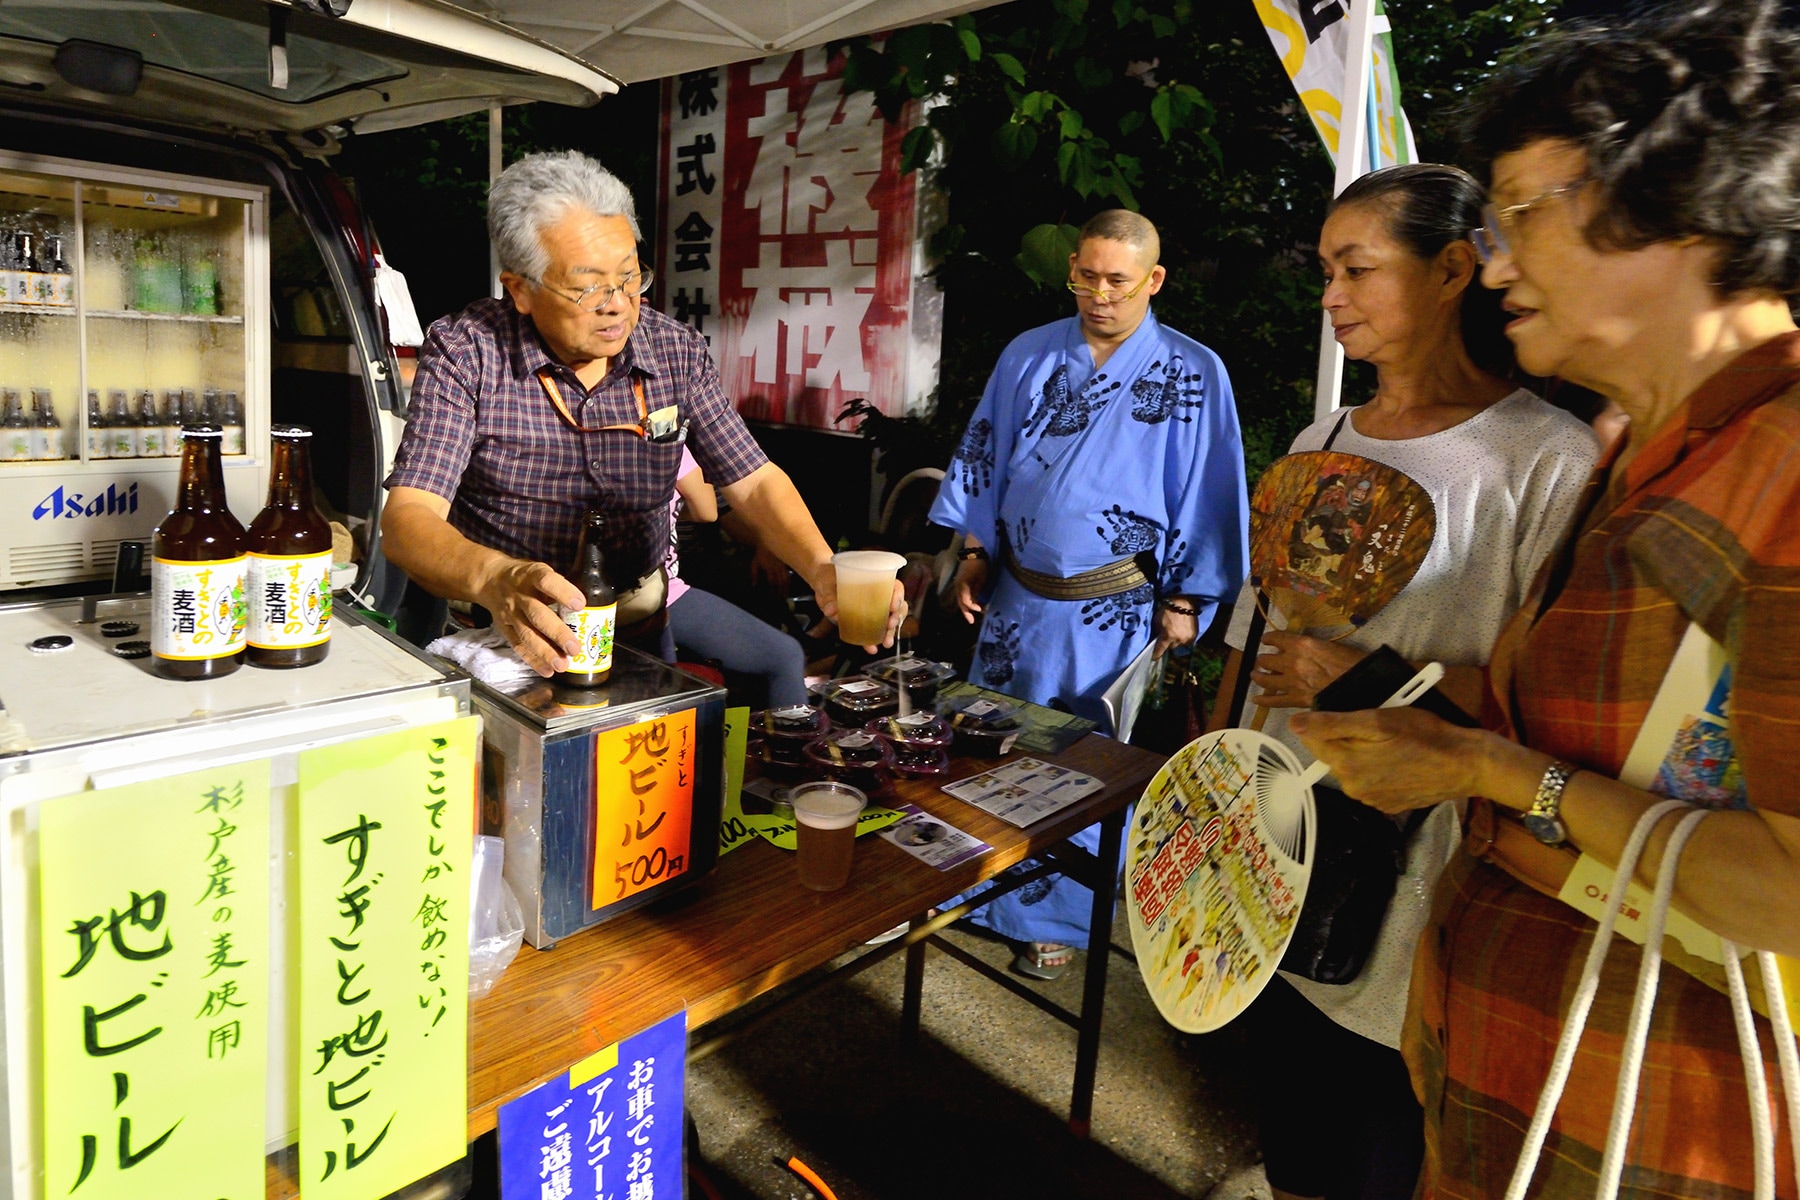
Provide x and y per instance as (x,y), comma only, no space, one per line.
(664,422)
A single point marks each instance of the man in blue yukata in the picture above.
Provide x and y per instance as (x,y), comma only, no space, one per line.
(1100,493)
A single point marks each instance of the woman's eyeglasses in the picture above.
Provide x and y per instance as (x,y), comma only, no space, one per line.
(1494,236)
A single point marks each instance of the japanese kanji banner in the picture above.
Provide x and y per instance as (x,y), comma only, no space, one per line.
(790,238)
(1309,37)
(384,845)
(609,1128)
(155,931)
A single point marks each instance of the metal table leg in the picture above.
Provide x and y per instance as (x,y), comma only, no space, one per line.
(912,996)
(1093,996)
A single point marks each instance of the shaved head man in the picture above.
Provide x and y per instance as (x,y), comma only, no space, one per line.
(1099,490)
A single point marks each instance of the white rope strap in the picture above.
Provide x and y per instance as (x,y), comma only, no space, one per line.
(1585,990)
(1785,1051)
(1637,1031)
(1762,1129)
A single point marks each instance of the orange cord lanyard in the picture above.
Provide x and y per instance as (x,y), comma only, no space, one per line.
(642,428)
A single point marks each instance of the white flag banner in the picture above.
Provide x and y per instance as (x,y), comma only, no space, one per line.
(1310,38)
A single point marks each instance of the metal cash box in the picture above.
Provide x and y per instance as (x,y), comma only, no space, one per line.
(608,799)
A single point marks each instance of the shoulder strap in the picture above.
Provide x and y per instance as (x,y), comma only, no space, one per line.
(1240,687)
(1343,415)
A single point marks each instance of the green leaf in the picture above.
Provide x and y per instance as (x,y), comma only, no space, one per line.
(1071,124)
(1162,26)
(916,148)
(971,43)
(1091,74)
(1065,159)
(1160,105)
(1074,10)
(1122,12)
(1010,67)
(1013,144)
(1035,106)
(1131,122)
(1044,253)
(910,48)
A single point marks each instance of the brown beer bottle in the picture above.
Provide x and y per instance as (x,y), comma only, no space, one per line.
(290,562)
(594,622)
(198,614)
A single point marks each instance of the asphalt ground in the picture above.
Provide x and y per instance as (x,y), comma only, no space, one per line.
(979,1105)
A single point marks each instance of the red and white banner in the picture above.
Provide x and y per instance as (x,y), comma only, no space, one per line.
(789,237)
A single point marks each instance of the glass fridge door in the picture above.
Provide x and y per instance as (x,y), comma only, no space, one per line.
(40,369)
(163,276)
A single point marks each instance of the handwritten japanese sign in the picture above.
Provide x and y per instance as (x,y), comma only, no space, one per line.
(789,239)
(643,805)
(154,921)
(609,1129)
(384,845)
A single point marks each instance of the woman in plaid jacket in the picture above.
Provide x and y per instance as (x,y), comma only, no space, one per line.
(1645,179)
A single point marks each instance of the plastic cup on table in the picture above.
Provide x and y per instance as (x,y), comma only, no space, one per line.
(865,595)
(825,816)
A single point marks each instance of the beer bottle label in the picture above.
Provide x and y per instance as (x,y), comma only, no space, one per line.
(99,444)
(290,600)
(233,441)
(15,445)
(124,443)
(197,609)
(150,441)
(594,626)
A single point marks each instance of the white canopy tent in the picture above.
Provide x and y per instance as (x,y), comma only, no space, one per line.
(637,40)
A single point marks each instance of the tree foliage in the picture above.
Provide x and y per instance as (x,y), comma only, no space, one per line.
(1043,112)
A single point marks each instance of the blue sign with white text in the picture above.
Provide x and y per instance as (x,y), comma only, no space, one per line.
(609,1129)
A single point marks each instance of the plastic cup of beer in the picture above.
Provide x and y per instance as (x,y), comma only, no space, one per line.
(825,815)
(865,596)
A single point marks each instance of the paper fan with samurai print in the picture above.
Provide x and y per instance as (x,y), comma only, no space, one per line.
(1334,537)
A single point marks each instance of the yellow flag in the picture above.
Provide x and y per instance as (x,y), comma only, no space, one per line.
(154,920)
(386,825)
(1309,37)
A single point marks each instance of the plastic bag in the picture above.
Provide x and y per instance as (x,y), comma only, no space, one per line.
(496,922)
(396,300)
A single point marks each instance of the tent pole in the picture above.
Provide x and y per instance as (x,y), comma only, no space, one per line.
(495,162)
(1352,161)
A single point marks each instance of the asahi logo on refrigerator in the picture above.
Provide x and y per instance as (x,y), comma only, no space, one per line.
(114,501)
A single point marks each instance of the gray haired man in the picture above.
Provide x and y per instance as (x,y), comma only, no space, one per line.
(568,395)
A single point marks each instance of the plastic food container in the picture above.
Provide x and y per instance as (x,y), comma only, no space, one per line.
(919,676)
(784,732)
(801,720)
(920,762)
(921,730)
(856,700)
(984,726)
(853,756)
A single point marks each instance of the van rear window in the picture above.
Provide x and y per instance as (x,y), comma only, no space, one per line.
(225,43)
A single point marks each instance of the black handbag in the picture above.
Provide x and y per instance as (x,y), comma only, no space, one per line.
(1360,852)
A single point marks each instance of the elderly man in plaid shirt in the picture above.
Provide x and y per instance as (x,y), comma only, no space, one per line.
(568,395)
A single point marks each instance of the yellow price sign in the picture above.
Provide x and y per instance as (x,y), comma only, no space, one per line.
(643,805)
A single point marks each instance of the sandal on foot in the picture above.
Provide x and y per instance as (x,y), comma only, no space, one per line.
(1044,960)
